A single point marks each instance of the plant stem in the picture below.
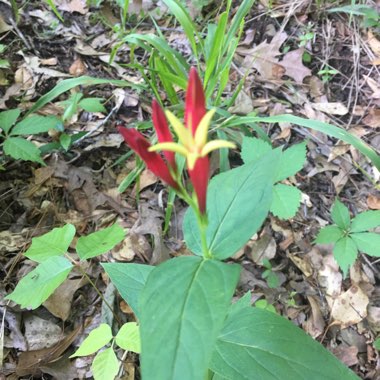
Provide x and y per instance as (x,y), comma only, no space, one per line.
(83,272)
(202,224)
(201,219)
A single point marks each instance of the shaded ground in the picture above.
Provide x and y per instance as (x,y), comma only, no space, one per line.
(80,186)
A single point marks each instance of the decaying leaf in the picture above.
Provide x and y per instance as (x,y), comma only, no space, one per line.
(264,59)
(294,68)
(31,362)
(331,108)
(373,202)
(350,307)
(59,303)
(41,333)
(71,6)
(264,248)
(315,324)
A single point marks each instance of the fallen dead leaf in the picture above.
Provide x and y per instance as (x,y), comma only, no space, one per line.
(77,68)
(49,61)
(294,68)
(373,118)
(350,307)
(71,6)
(373,318)
(331,108)
(147,178)
(243,104)
(149,223)
(4,27)
(373,43)
(373,85)
(373,202)
(11,242)
(41,333)
(59,303)
(347,355)
(315,324)
(30,362)
(329,275)
(263,57)
(131,246)
(264,248)
(302,263)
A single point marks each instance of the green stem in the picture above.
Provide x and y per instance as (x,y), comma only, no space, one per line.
(201,219)
(202,224)
(83,272)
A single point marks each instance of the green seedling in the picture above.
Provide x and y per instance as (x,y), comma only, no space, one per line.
(350,236)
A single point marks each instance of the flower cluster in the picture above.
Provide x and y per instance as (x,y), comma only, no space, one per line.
(192,142)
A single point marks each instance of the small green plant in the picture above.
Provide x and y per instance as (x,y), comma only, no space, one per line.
(291,300)
(264,304)
(4,63)
(50,251)
(14,132)
(269,275)
(326,73)
(370,16)
(75,103)
(105,364)
(308,35)
(350,236)
(169,67)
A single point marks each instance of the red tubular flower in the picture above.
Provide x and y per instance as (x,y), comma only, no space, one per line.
(195,106)
(153,160)
(163,132)
(192,137)
(195,109)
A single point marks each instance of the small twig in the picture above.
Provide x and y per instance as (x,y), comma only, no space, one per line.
(15,27)
(83,272)
(101,123)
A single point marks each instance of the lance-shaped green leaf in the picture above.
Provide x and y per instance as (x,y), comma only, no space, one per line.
(40,283)
(129,280)
(345,253)
(183,307)
(22,149)
(258,344)
(365,221)
(238,202)
(34,124)
(99,242)
(105,365)
(54,243)
(97,338)
(329,234)
(8,119)
(367,242)
(340,215)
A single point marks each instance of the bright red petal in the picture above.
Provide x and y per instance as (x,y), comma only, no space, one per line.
(199,177)
(195,106)
(163,131)
(153,160)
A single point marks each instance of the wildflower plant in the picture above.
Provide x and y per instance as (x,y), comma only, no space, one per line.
(192,144)
(189,327)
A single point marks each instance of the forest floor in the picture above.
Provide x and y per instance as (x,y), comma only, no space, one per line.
(308,62)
